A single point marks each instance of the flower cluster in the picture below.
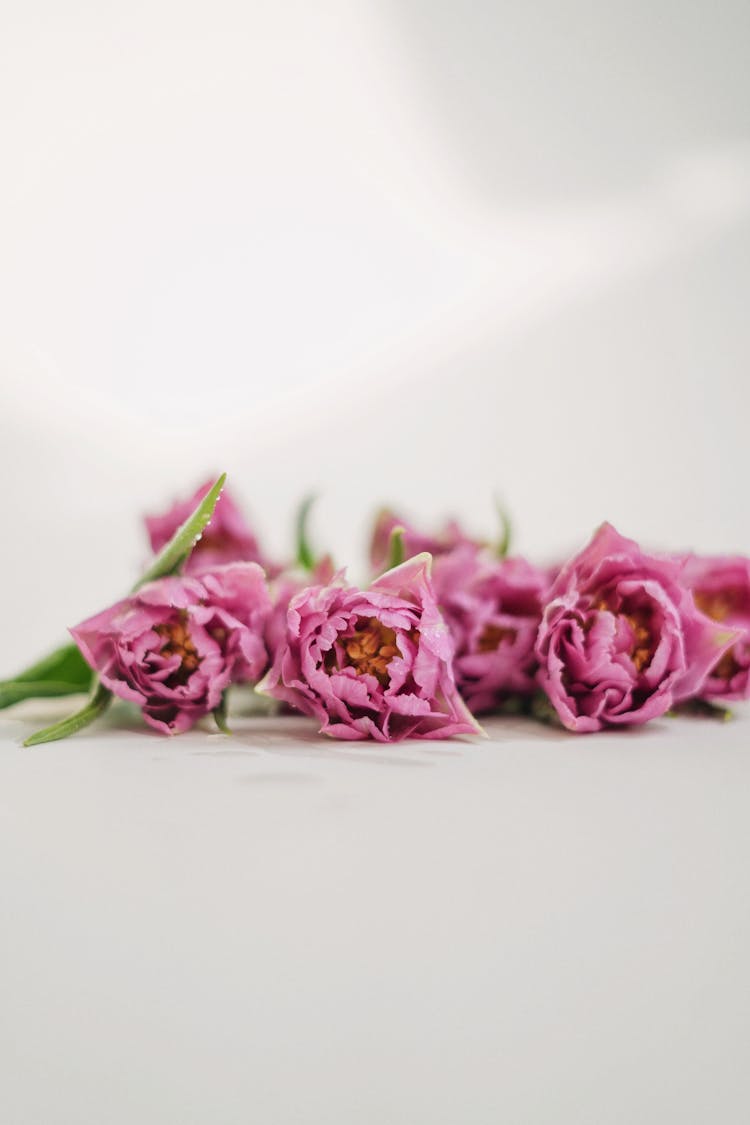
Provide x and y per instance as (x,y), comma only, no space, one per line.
(447,629)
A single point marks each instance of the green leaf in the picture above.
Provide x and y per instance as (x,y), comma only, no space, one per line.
(506,531)
(396,549)
(169,561)
(305,556)
(174,554)
(96,706)
(16,691)
(62,672)
(220,715)
(65,664)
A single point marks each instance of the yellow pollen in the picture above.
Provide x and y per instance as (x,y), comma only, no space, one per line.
(727,666)
(492,637)
(715,605)
(642,649)
(371,648)
(179,643)
(643,641)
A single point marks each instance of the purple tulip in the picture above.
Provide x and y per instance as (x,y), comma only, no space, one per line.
(493,608)
(415,542)
(283,588)
(228,538)
(621,638)
(372,663)
(721,589)
(175,645)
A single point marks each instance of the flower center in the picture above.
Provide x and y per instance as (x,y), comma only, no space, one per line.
(716,604)
(219,540)
(178,642)
(492,636)
(370,648)
(727,667)
(644,642)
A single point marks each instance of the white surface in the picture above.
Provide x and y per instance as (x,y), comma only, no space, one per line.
(540,929)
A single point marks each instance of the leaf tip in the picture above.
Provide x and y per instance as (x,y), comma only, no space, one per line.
(396,548)
(304,551)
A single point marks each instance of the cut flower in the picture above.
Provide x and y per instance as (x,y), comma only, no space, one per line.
(621,639)
(374,663)
(176,645)
(493,608)
(721,589)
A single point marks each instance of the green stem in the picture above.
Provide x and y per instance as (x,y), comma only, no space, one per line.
(95,707)
(702,709)
(220,715)
(542,710)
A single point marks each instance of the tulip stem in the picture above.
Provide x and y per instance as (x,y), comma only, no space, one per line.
(220,715)
(96,706)
(702,709)
(542,710)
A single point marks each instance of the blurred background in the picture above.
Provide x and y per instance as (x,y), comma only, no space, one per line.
(384,250)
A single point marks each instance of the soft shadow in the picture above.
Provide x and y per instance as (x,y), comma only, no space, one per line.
(293,737)
(520,728)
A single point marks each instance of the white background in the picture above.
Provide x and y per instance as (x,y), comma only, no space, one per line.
(407,251)
(398,252)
